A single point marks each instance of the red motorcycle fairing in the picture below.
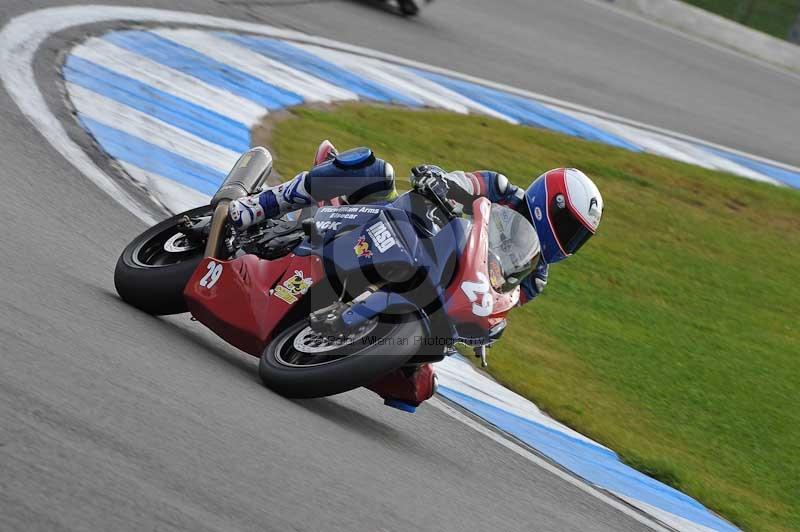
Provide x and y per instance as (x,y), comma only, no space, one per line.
(325,152)
(471,299)
(243,300)
(413,388)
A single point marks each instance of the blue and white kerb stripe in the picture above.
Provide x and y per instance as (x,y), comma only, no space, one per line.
(175,106)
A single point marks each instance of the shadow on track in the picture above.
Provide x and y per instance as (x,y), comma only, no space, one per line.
(204,341)
(244,362)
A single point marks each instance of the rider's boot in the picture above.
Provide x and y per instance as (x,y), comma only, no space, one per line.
(406,389)
(274,201)
(270,203)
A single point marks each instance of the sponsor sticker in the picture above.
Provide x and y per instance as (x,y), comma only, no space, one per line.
(350,209)
(381,236)
(294,286)
(362,248)
(328,225)
(537,212)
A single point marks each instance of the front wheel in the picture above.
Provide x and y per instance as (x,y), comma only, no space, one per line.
(154,268)
(301,363)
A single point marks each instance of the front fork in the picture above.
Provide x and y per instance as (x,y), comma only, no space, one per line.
(217,230)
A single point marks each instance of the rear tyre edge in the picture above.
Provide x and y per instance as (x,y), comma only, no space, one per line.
(155,290)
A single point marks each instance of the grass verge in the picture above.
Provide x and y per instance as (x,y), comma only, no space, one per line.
(672,337)
(774,17)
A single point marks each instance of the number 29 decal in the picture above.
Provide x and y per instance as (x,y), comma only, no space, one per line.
(212,276)
(473,290)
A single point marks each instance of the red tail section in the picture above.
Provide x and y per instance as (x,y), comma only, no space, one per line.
(325,151)
(415,388)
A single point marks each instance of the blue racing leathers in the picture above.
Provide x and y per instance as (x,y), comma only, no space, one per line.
(357,176)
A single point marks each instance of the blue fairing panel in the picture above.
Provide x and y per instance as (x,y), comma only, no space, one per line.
(446,249)
(378,237)
(364,244)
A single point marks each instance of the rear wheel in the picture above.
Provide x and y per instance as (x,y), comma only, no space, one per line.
(154,268)
(301,363)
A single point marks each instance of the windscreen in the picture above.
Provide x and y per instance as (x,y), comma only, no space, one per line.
(513,248)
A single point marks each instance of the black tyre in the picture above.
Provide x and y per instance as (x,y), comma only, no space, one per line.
(154,268)
(299,363)
(408,7)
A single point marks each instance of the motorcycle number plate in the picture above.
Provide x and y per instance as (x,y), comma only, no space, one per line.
(212,275)
(478,293)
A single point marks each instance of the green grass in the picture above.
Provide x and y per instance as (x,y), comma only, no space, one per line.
(774,17)
(672,337)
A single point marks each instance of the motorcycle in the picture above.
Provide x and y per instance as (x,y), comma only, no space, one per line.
(336,296)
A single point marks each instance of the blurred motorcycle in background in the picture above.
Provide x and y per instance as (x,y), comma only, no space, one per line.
(410,8)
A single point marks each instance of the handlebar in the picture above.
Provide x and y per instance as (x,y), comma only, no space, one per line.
(451,211)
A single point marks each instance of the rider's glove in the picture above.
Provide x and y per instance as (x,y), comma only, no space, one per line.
(431,177)
(426,170)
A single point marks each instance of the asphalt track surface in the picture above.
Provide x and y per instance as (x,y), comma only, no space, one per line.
(114,420)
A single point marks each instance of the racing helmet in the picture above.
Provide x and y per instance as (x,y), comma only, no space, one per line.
(565,208)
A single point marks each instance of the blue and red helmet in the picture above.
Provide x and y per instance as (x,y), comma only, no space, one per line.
(565,208)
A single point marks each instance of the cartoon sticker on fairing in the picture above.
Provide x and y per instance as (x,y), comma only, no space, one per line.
(481,288)
(294,286)
(381,236)
(362,247)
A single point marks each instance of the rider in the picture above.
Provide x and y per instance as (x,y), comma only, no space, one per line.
(563,205)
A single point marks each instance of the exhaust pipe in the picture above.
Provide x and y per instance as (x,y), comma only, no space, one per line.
(246,177)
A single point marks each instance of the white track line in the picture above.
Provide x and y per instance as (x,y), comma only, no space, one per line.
(548,466)
(172,195)
(672,520)
(151,129)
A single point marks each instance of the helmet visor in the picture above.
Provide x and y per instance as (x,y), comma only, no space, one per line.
(571,233)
